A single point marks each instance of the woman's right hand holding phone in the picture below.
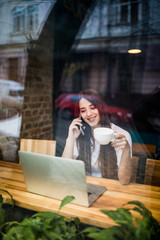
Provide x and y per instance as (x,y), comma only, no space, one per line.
(74,131)
(73,134)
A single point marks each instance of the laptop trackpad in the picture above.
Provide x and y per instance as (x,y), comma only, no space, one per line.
(94,192)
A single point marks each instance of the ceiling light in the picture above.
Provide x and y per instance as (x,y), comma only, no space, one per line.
(134,51)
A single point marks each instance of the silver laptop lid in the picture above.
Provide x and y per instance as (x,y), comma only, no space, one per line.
(55,177)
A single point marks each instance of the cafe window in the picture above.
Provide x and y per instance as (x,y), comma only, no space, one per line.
(124,12)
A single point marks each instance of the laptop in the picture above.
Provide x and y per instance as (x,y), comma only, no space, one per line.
(58,177)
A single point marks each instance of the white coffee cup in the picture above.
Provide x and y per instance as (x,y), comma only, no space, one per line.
(104,135)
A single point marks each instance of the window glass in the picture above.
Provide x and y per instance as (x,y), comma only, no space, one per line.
(32,15)
(134,13)
(25,19)
(18,19)
(54,49)
(124,12)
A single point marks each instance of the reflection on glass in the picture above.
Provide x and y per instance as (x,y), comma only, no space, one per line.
(134,51)
(19,24)
(32,15)
(11,100)
(18,19)
(91,54)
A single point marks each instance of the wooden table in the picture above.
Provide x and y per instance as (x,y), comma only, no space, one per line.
(12,180)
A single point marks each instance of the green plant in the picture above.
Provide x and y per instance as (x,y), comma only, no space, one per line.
(2,211)
(44,225)
(53,226)
(129,227)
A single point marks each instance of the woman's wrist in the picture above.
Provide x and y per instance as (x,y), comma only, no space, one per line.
(127,147)
(127,152)
(70,140)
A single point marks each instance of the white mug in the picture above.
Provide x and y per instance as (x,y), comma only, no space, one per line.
(104,135)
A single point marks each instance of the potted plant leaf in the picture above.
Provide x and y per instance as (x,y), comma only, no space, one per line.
(44,225)
(128,227)
(11,212)
(50,226)
(2,210)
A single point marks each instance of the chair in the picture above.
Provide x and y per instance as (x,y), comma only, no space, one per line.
(47,147)
(143,149)
(152,172)
(135,161)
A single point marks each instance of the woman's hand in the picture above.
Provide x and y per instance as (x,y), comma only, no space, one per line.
(74,132)
(125,166)
(120,142)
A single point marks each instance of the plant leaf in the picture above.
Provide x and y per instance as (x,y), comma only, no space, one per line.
(65,201)
(142,209)
(9,195)
(112,233)
(91,230)
(119,215)
(45,215)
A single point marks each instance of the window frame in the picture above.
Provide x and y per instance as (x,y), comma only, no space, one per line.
(21,19)
(118,12)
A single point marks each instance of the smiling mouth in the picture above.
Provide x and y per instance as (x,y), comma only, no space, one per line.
(91,119)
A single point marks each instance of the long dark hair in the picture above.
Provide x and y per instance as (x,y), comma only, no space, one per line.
(107,160)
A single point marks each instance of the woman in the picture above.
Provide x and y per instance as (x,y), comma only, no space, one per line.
(110,161)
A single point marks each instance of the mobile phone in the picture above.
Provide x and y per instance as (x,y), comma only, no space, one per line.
(80,127)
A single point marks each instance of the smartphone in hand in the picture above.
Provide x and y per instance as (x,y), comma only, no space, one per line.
(80,127)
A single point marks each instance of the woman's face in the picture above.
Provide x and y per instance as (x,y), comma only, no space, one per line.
(89,113)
